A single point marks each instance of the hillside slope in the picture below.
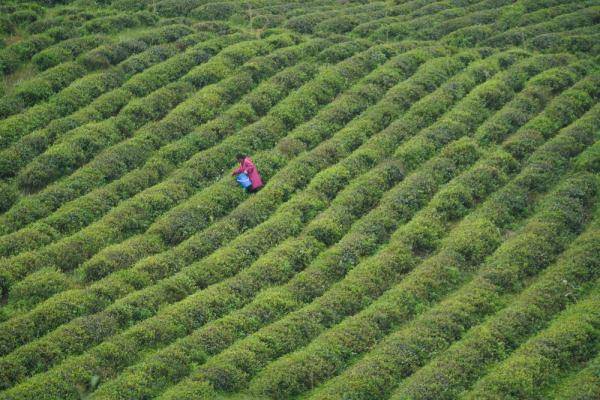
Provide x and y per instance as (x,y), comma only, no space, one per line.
(429,227)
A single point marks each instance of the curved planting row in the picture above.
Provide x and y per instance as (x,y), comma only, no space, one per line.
(14,55)
(74,216)
(330,352)
(263,237)
(342,50)
(429,216)
(585,384)
(315,89)
(323,225)
(13,17)
(292,208)
(385,366)
(67,17)
(403,11)
(16,126)
(48,84)
(476,27)
(136,117)
(21,152)
(256,12)
(353,199)
(332,115)
(569,340)
(466,26)
(228,371)
(346,21)
(187,146)
(277,381)
(516,36)
(200,108)
(172,8)
(409,153)
(436,328)
(421,18)
(16,156)
(416,10)
(271,304)
(183,221)
(27,93)
(249,109)
(307,22)
(67,50)
(573,41)
(351,20)
(136,113)
(274,15)
(168,256)
(445,23)
(532,308)
(326,230)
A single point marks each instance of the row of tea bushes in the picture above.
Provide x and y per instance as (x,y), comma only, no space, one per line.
(324,88)
(422,20)
(262,237)
(112,258)
(14,55)
(48,84)
(517,36)
(544,167)
(79,213)
(199,108)
(16,126)
(21,152)
(148,83)
(204,208)
(219,228)
(307,23)
(567,41)
(270,384)
(30,208)
(69,154)
(66,50)
(334,113)
(585,384)
(323,228)
(407,153)
(290,208)
(11,17)
(499,334)
(567,342)
(268,305)
(435,329)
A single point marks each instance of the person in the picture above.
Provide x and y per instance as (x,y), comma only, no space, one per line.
(248,167)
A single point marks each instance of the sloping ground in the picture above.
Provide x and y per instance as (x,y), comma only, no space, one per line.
(429,228)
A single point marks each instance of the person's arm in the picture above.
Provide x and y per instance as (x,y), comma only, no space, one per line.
(238,170)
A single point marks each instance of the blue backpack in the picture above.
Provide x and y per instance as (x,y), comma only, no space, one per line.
(243,180)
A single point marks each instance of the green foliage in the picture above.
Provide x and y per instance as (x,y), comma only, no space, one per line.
(38,286)
(569,340)
(428,227)
(8,195)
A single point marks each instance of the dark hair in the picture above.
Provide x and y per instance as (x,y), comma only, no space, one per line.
(240,156)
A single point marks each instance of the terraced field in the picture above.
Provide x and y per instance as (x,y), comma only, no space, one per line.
(429,228)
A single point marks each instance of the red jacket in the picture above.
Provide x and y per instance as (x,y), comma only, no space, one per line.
(248,167)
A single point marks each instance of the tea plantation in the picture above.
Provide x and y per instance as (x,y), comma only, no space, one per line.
(429,227)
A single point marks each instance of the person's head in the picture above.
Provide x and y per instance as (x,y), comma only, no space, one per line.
(240,157)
